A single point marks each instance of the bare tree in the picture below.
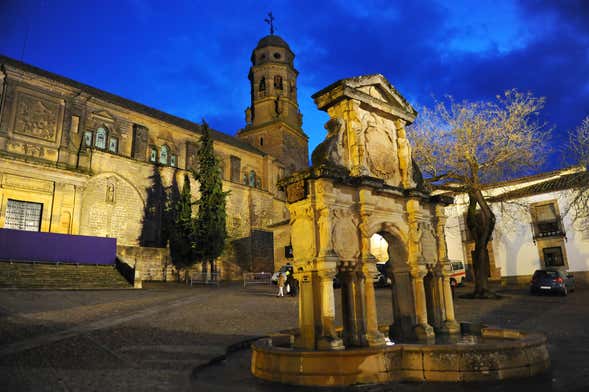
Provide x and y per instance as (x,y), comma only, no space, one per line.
(578,150)
(461,146)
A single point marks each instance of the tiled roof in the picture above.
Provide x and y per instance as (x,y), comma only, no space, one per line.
(129,104)
(566,181)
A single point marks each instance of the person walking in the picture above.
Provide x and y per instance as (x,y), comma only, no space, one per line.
(281,282)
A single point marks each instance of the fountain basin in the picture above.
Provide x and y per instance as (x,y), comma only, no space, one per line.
(497,354)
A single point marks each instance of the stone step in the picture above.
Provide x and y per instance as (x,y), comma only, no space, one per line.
(29,275)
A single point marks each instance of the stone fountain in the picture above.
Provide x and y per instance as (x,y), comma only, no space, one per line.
(363,181)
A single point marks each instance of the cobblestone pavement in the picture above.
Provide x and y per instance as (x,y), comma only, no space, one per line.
(174,338)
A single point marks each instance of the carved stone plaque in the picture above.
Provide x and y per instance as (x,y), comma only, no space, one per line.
(37,118)
(296,191)
(381,152)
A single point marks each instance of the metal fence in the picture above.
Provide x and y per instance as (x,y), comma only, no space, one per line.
(250,278)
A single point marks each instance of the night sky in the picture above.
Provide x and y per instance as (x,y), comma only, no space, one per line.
(191,58)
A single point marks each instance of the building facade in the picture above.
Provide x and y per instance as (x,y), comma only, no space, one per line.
(78,160)
(535,227)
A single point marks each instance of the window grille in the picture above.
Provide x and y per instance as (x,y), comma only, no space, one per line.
(23,215)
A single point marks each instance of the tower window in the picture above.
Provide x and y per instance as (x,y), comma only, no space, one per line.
(278,82)
(261,141)
(263,84)
(277,56)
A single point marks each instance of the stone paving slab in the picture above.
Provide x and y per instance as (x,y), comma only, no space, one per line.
(167,340)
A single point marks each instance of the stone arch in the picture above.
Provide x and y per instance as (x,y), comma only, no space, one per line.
(112,207)
(399,271)
(397,241)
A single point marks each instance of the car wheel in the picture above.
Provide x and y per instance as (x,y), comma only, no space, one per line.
(532,291)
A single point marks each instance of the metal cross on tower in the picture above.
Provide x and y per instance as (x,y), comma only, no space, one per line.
(270,21)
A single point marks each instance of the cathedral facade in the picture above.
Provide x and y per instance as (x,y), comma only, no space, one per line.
(78,160)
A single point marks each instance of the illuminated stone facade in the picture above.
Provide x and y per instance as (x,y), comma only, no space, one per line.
(363,182)
(95,162)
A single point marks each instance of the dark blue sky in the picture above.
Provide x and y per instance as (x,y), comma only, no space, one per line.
(191,58)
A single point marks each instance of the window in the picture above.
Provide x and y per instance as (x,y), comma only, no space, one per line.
(261,141)
(278,82)
(164,155)
(173,160)
(235,164)
(277,56)
(113,145)
(153,155)
(252,178)
(553,257)
(100,141)
(262,84)
(87,139)
(23,215)
(546,221)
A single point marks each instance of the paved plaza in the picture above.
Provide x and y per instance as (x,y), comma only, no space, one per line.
(170,337)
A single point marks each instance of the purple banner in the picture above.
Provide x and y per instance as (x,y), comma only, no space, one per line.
(21,245)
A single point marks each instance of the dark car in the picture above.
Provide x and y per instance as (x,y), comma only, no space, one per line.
(552,281)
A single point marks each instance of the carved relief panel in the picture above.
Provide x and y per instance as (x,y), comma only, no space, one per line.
(345,235)
(37,117)
(303,233)
(380,148)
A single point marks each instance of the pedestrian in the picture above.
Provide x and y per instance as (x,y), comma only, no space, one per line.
(291,284)
(281,281)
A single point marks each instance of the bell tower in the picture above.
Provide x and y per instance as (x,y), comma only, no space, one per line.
(273,120)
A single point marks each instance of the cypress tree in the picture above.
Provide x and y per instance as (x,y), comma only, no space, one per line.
(181,234)
(210,227)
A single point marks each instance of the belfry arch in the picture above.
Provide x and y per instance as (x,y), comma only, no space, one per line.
(363,181)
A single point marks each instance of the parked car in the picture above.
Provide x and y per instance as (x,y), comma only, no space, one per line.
(382,280)
(552,281)
(458,273)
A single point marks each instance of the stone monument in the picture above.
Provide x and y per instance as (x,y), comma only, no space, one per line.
(363,181)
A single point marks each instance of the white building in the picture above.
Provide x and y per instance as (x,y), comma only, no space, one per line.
(534,227)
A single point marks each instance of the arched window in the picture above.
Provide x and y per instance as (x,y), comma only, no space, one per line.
(261,141)
(252,179)
(100,141)
(278,82)
(164,153)
(262,84)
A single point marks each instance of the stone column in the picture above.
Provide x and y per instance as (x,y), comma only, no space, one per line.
(307,320)
(449,324)
(422,329)
(77,210)
(439,312)
(354,325)
(368,268)
(328,340)
(373,336)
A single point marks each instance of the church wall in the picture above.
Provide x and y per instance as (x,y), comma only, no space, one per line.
(97,192)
